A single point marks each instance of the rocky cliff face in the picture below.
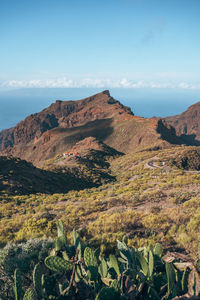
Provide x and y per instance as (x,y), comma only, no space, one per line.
(187,124)
(60,126)
(64,114)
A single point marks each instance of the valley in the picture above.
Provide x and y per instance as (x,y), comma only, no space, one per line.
(92,171)
(145,204)
(99,150)
(117,175)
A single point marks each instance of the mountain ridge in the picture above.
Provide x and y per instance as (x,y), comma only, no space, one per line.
(63,114)
(187,124)
(149,191)
(60,126)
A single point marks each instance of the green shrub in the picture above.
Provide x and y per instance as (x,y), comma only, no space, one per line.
(77,271)
(24,257)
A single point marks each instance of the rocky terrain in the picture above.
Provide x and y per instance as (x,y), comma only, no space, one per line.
(84,166)
(64,114)
(106,173)
(69,144)
(19,177)
(187,160)
(59,127)
(187,124)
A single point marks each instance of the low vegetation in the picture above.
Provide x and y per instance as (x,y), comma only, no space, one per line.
(78,271)
(150,201)
(145,203)
(188,159)
(19,177)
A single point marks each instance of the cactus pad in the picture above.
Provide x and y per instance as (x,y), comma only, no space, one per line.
(89,257)
(29,295)
(114,263)
(158,250)
(103,269)
(57,264)
(37,280)
(17,285)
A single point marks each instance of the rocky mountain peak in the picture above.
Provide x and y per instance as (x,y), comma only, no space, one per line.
(64,114)
(106,92)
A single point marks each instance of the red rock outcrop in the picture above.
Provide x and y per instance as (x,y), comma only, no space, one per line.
(60,126)
(187,124)
(64,114)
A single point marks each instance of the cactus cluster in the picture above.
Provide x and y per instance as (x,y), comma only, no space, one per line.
(79,272)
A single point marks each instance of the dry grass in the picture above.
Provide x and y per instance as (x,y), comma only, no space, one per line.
(146,204)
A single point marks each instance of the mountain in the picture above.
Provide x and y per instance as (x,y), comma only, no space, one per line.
(103,171)
(60,126)
(189,159)
(92,144)
(65,114)
(20,177)
(187,124)
(77,170)
(89,160)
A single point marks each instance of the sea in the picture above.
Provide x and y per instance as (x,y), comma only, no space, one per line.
(17,104)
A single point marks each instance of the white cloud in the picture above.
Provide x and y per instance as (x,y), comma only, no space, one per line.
(65,82)
(188,86)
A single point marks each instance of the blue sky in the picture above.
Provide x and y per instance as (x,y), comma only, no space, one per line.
(97,43)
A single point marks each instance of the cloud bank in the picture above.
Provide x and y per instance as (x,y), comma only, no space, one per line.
(95,83)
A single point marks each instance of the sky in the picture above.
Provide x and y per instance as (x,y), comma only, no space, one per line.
(101,43)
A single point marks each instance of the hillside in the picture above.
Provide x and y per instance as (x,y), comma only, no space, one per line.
(88,160)
(19,177)
(83,169)
(187,124)
(59,127)
(187,160)
(149,201)
(108,176)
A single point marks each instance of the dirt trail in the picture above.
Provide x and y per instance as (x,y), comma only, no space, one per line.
(152,165)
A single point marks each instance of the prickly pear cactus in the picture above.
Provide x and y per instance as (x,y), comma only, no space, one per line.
(143,263)
(151,263)
(37,280)
(103,268)
(50,286)
(17,285)
(106,294)
(60,243)
(121,245)
(114,263)
(115,285)
(29,295)
(77,243)
(91,262)
(78,274)
(57,264)
(184,280)
(76,238)
(61,240)
(198,260)
(158,250)
(60,228)
(89,257)
(171,279)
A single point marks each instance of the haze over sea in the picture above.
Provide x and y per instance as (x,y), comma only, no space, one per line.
(16,104)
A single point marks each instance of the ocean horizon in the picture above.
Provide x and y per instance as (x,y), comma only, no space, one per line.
(17,104)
